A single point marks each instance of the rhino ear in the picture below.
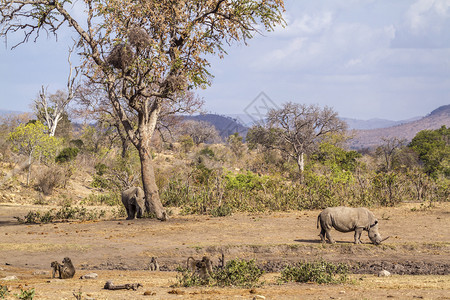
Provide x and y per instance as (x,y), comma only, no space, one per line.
(376,222)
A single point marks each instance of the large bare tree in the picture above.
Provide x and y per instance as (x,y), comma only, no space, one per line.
(145,52)
(296,129)
(50,108)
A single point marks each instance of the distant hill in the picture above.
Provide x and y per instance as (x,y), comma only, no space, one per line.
(375,123)
(225,125)
(374,137)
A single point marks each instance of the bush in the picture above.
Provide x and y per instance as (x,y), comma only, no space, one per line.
(26,294)
(319,272)
(3,291)
(49,179)
(222,211)
(65,213)
(237,272)
(208,152)
(77,143)
(186,278)
(67,154)
(110,199)
(100,169)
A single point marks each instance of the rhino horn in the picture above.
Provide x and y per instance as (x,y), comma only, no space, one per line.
(384,239)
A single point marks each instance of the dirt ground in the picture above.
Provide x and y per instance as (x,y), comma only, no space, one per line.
(417,254)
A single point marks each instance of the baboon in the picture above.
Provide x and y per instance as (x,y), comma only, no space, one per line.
(55,268)
(153,265)
(201,267)
(65,270)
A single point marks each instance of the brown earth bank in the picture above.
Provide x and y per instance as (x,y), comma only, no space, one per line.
(120,250)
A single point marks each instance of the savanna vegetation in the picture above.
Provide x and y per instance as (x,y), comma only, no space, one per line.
(140,70)
(219,178)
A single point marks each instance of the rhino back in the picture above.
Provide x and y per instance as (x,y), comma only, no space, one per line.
(347,219)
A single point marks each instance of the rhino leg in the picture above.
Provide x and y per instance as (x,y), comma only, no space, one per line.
(330,239)
(358,232)
(131,211)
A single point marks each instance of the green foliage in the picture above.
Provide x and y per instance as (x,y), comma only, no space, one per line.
(3,291)
(208,152)
(31,140)
(433,148)
(187,143)
(222,211)
(236,144)
(67,154)
(26,294)
(238,273)
(244,181)
(320,272)
(110,199)
(334,156)
(100,169)
(77,143)
(186,278)
(100,182)
(386,188)
(65,213)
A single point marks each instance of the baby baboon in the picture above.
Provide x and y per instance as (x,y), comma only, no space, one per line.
(65,270)
(153,265)
(55,268)
(201,267)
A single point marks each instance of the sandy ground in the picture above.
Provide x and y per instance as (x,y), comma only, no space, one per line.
(120,250)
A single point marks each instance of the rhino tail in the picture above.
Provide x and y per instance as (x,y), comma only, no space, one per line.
(318,221)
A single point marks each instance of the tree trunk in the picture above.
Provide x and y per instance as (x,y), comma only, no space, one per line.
(29,168)
(152,201)
(301,166)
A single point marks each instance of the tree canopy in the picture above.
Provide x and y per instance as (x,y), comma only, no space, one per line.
(145,53)
(433,148)
(296,129)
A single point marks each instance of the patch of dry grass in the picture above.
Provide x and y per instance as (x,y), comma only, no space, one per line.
(39,247)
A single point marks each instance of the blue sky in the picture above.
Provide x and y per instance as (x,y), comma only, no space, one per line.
(365,58)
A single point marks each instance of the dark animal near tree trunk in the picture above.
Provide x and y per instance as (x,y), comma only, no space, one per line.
(134,201)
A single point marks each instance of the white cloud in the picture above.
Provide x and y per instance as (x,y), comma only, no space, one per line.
(426,24)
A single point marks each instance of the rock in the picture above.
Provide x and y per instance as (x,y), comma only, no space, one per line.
(257,297)
(89,276)
(384,273)
(149,293)
(8,278)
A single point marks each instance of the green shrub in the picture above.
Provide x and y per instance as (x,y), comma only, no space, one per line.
(240,273)
(77,143)
(110,199)
(67,154)
(26,294)
(3,291)
(319,272)
(100,182)
(65,213)
(222,211)
(186,278)
(208,152)
(101,169)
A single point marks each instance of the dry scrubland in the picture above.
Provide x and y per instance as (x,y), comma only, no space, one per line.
(119,250)
(223,198)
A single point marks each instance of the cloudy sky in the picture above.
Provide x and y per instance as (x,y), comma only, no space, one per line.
(365,58)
